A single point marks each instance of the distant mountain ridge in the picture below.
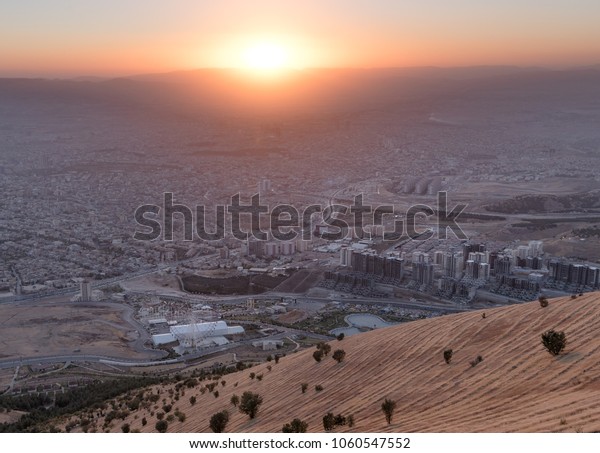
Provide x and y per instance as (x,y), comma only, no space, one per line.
(334,90)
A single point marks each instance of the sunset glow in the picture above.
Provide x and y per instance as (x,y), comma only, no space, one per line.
(62,38)
(265,57)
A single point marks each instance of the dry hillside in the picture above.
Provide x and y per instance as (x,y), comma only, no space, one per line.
(518,386)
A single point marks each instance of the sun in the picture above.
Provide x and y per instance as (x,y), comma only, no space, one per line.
(265,56)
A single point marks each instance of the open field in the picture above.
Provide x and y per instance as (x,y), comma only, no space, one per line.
(44,329)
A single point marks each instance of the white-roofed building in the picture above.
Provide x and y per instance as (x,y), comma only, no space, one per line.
(202,334)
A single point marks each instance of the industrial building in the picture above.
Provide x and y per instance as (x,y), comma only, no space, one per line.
(198,335)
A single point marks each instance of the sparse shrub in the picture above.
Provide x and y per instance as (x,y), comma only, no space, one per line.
(296,426)
(340,420)
(191,382)
(223,383)
(259,377)
(340,336)
(483,315)
(330,421)
(252,375)
(250,404)
(476,361)
(325,348)
(318,355)
(269,358)
(447,355)
(167,408)
(554,341)
(388,407)
(276,358)
(160,415)
(304,386)
(350,420)
(125,427)
(339,355)
(318,388)
(162,426)
(144,421)
(543,300)
(235,400)
(192,400)
(269,368)
(216,393)
(219,421)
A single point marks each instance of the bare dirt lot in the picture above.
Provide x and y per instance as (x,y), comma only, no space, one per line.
(239,284)
(50,328)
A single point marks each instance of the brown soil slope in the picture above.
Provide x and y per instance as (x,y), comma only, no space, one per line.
(519,386)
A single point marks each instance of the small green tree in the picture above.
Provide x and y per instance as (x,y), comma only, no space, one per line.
(340,336)
(325,348)
(296,426)
(125,427)
(329,421)
(318,355)
(219,421)
(543,300)
(339,355)
(162,426)
(554,341)
(388,407)
(447,355)
(250,403)
(192,400)
(235,400)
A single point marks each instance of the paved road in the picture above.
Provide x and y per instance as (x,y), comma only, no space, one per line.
(138,345)
(120,361)
(102,283)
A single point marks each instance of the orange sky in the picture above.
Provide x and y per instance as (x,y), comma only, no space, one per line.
(110,37)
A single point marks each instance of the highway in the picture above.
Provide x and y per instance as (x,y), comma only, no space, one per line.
(101,283)
(138,345)
(123,361)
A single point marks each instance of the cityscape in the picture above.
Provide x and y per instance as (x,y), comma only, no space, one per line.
(396,236)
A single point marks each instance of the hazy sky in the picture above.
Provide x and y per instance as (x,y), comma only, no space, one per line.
(118,37)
